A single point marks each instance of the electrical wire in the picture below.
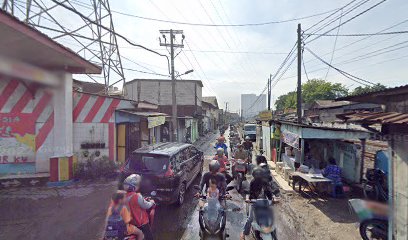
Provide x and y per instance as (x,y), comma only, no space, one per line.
(357,34)
(334,49)
(343,14)
(135,70)
(304,67)
(112,32)
(224,25)
(340,9)
(348,20)
(348,75)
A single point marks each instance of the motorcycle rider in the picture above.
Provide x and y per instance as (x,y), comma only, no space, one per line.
(221,144)
(248,144)
(259,184)
(240,153)
(223,160)
(214,167)
(138,206)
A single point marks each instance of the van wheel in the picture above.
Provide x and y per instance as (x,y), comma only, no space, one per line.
(181,195)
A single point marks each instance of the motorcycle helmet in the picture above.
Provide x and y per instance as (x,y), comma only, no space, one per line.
(214,166)
(220,151)
(247,138)
(132,182)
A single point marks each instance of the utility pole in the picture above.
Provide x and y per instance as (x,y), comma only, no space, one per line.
(269,92)
(225,113)
(172,33)
(299,73)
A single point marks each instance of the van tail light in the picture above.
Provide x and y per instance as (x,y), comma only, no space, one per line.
(169,172)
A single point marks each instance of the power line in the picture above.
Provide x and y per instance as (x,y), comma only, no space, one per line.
(348,20)
(304,67)
(330,15)
(223,25)
(348,75)
(334,47)
(135,70)
(343,13)
(357,34)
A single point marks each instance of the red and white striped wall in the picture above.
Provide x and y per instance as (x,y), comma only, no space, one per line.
(27,125)
(27,120)
(94,121)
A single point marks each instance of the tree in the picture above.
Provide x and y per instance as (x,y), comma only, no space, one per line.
(286,101)
(318,89)
(361,90)
(314,89)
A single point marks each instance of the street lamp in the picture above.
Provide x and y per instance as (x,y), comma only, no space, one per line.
(187,72)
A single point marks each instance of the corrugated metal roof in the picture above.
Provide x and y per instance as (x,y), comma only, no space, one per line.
(144,114)
(378,117)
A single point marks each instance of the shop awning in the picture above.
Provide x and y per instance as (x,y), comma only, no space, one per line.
(154,119)
(316,132)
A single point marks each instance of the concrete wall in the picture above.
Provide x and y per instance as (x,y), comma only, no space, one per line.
(400,188)
(159,92)
(266,141)
(94,122)
(23,114)
(91,132)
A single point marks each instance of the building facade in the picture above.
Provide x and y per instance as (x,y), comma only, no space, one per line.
(251,105)
(188,98)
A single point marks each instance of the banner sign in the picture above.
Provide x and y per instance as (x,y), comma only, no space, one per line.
(155,121)
(290,139)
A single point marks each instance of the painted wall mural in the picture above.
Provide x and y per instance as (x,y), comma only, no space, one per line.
(22,107)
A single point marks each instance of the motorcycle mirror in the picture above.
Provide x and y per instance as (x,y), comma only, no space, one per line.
(196,187)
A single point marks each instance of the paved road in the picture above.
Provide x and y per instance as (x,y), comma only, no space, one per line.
(78,212)
(74,212)
(182,223)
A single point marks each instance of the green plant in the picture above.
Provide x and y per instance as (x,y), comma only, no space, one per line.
(94,169)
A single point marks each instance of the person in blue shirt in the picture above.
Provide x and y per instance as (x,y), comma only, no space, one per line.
(221,144)
(332,171)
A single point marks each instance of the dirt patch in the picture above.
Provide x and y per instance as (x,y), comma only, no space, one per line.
(319,218)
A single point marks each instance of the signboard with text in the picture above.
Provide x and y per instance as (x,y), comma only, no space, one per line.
(17,138)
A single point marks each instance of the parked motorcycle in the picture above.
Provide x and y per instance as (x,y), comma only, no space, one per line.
(262,227)
(240,169)
(212,217)
(373,217)
(375,185)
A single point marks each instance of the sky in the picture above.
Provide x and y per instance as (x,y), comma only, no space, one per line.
(235,60)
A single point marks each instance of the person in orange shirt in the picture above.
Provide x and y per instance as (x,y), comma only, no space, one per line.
(118,214)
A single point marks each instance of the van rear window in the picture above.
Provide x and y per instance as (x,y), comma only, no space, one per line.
(250,128)
(149,163)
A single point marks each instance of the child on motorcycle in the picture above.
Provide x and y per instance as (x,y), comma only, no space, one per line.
(213,191)
(139,206)
(118,214)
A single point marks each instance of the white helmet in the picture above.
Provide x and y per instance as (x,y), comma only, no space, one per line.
(132,182)
(247,138)
(220,150)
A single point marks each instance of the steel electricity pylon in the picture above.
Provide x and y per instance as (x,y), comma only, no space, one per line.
(85,26)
